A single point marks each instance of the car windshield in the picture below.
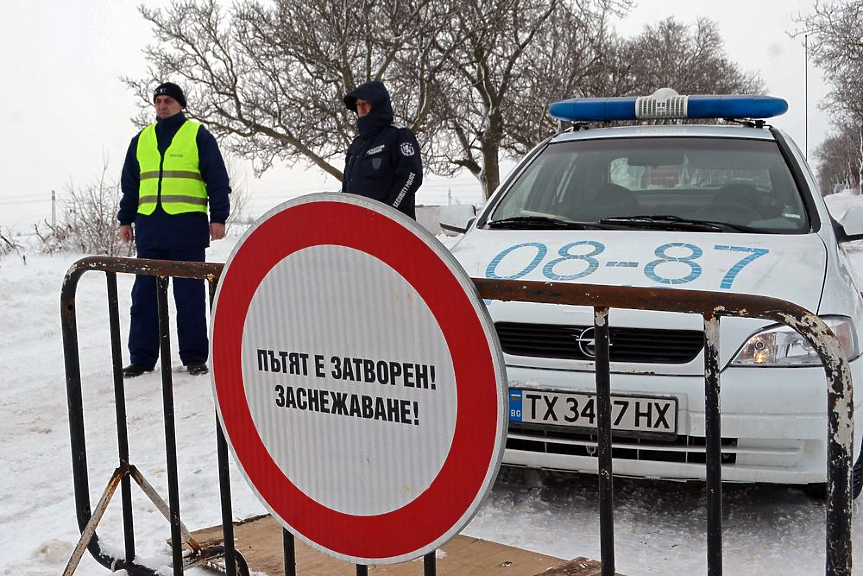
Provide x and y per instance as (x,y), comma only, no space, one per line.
(705,184)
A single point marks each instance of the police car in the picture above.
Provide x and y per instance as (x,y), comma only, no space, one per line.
(730,207)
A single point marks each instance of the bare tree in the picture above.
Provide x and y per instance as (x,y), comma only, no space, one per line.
(836,32)
(239,194)
(473,78)
(270,77)
(89,222)
(8,244)
(690,60)
(91,215)
(574,57)
(839,159)
(472,101)
(576,54)
(494,100)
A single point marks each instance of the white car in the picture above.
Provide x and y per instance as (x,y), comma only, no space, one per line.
(730,208)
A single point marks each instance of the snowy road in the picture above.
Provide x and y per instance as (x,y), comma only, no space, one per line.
(660,526)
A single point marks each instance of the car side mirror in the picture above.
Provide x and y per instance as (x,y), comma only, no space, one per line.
(852,224)
(456,219)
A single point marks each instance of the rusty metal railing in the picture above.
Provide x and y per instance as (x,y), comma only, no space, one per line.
(88,519)
(711,306)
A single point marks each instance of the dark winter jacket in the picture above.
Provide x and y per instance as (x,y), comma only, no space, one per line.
(383,162)
(179,231)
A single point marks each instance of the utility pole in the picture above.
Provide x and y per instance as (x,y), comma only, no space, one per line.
(806,97)
(53,209)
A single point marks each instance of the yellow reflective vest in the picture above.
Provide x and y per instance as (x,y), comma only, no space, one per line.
(173,179)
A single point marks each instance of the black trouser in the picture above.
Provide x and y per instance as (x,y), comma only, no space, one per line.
(190,301)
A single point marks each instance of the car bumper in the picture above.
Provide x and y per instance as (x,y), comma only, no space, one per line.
(773,426)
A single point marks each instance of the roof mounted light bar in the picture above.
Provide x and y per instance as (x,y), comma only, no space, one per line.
(665,103)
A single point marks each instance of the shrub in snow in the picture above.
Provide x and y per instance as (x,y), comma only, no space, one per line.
(89,222)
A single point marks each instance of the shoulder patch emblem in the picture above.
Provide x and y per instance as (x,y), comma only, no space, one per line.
(407,149)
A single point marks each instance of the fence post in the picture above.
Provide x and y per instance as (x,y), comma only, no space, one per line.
(713,445)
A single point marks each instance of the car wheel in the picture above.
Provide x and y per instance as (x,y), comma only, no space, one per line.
(857,477)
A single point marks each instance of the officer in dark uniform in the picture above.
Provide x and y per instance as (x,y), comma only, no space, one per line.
(383,162)
(173,174)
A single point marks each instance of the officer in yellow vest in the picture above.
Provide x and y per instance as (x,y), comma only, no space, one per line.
(173,174)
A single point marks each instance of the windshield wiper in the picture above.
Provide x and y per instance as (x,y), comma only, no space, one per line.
(543,223)
(671,222)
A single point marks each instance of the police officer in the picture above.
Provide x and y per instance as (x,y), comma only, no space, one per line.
(172,173)
(383,162)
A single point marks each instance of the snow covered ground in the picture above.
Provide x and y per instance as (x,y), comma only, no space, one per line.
(660,526)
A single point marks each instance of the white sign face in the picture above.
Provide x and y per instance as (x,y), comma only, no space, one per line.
(371,380)
(358,378)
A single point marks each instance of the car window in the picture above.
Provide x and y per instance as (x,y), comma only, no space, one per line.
(738,182)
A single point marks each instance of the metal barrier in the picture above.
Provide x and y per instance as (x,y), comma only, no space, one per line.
(87,520)
(710,305)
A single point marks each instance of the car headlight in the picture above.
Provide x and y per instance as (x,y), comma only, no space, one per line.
(780,345)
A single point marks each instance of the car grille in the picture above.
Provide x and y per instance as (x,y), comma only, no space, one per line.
(679,448)
(576,343)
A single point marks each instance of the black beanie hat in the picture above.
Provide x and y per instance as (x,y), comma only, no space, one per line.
(172,90)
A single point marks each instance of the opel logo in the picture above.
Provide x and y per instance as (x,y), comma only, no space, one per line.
(586,341)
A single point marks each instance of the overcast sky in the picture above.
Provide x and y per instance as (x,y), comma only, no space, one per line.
(63,109)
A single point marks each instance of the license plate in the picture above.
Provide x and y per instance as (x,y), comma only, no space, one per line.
(636,413)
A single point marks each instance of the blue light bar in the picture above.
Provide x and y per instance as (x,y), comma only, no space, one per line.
(594,109)
(736,106)
(666,103)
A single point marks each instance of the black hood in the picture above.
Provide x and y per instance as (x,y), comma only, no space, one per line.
(382,110)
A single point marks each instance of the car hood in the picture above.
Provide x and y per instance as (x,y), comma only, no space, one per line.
(789,267)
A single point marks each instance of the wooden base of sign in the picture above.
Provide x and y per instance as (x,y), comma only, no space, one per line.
(259,540)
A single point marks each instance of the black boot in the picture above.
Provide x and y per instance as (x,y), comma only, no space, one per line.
(133,370)
(197,368)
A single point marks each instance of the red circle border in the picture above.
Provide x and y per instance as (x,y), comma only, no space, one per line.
(456,489)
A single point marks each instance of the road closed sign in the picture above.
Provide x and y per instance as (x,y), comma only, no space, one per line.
(358,378)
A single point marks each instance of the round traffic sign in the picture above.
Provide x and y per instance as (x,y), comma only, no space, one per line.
(358,378)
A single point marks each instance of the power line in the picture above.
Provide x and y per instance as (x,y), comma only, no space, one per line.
(30,201)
